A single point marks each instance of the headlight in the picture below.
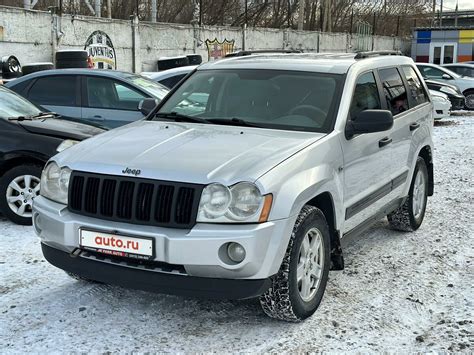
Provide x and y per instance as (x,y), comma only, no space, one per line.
(448,90)
(439,99)
(55,183)
(68,143)
(241,202)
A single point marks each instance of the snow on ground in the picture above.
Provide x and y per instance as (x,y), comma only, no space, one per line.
(399,292)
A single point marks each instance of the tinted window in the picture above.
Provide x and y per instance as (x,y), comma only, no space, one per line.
(394,90)
(109,94)
(416,89)
(278,99)
(172,81)
(366,95)
(54,90)
(462,71)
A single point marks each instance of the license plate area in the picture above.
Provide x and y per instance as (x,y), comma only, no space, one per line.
(114,244)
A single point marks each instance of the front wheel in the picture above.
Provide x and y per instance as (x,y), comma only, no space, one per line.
(409,216)
(18,188)
(298,288)
(469,103)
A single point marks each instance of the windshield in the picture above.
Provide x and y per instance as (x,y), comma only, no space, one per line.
(278,99)
(157,90)
(13,105)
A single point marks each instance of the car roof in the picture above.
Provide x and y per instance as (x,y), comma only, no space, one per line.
(336,63)
(164,74)
(116,74)
(466,65)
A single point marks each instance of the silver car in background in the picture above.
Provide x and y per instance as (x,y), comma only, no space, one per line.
(242,182)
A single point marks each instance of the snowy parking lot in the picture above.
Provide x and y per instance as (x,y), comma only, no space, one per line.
(399,292)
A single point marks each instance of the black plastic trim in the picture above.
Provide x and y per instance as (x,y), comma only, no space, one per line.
(155,281)
(376,195)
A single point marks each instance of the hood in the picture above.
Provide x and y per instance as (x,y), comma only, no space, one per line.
(438,94)
(61,128)
(187,152)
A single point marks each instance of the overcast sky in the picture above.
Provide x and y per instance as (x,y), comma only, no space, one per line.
(451,4)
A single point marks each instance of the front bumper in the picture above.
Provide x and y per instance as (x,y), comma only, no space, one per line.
(155,281)
(197,250)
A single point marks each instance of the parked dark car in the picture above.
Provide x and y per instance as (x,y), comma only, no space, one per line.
(452,91)
(28,138)
(108,97)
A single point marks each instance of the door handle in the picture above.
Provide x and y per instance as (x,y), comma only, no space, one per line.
(96,117)
(414,125)
(384,141)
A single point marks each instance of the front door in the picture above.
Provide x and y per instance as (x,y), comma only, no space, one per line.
(443,53)
(367,160)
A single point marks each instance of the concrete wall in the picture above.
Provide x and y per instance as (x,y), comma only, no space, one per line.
(28,35)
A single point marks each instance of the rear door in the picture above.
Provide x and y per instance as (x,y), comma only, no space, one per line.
(367,159)
(59,93)
(110,102)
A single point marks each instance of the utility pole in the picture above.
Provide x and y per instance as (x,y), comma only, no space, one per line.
(329,15)
(441,14)
(97,8)
(109,8)
(153,10)
(434,14)
(300,15)
(456,15)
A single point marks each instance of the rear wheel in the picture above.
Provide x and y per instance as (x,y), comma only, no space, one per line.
(18,188)
(298,288)
(409,216)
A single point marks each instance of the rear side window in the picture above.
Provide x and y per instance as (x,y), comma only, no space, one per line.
(366,95)
(394,90)
(416,89)
(54,90)
(108,94)
(172,81)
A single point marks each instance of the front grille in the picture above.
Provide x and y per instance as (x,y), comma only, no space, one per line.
(134,200)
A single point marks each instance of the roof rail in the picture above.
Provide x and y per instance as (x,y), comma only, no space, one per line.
(362,55)
(244,53)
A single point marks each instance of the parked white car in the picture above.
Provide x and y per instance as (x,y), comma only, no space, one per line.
(170,77)
(441,105)
(436,72)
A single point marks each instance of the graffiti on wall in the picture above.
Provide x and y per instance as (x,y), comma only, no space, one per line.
(101,50)
(217,50)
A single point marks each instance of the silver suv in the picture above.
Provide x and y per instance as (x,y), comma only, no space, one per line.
(242,182)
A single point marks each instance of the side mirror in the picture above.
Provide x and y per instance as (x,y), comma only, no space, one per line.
(369,121)
(446,76)
(147,105)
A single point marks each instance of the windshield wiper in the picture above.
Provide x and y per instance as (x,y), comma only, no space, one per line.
(233,122)
(178,117)
(33,117)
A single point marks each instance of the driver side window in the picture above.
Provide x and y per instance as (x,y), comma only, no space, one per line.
(366,95)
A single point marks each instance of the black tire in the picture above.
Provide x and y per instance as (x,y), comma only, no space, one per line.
(194,59)
(404,218)
(469,101)
(11,67)
(5,180)
(170,63)
(283,300)
(65,64)
(78,55)
(35,67)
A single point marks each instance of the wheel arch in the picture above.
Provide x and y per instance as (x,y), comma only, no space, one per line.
(324,201)
(13,160)
(427,155)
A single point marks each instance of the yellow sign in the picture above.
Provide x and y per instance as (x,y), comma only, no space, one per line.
(466,36)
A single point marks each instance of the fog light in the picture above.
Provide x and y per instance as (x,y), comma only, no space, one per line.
(236,252)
